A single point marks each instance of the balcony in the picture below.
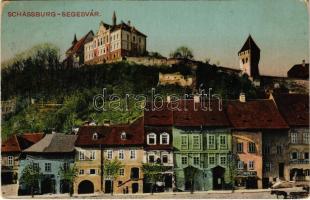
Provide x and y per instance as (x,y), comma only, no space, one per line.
(299,161)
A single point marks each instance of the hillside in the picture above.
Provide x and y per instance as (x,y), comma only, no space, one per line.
(44,79)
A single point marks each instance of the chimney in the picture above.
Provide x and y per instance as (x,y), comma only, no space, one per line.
(106,122)
(242,97)
(128,22)
(303,63)
(168,99)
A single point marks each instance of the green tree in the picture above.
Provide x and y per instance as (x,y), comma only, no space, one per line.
(182,52)
(31,176)
(153,172)
(233,168)
(68,174)
(111,170)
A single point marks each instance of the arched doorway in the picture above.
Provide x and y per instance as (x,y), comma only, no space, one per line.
(218,177)
(86,187)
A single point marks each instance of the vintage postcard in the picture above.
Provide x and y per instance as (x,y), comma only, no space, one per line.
(155,99)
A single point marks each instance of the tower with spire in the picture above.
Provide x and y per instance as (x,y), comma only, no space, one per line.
(114,18)
(74,40)
(249,56)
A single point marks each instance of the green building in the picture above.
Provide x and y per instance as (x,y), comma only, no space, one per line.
(202,145)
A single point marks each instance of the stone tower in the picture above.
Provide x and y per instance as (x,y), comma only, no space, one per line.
(114,18)
(249,56)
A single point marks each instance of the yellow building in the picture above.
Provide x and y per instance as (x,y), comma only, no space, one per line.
(130,179)
(96,144)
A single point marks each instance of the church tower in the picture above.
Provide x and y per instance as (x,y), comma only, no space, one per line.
(249,56)
(74,40)
(114,18)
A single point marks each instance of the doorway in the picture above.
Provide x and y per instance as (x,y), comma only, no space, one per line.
(47,185)
(218,177)
(281,170)
(108,186)
(135,187)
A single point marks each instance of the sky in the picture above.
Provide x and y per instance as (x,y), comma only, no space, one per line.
(212,29)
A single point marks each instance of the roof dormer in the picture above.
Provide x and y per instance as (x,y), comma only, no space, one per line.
(95,136)
(123,135)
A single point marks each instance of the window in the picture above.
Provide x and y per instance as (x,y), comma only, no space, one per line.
(223,140)
(121,172)
(92,171)
(240,164)
(66,166)
(306,155)
(196,142)
(81,155)
(121,154)
(266,150)
(134,38)
(211,160)
(294,155)
(36,166)
(307,172)
(123,136)
(251,164)
(211,141)
(48,167)
(184,144)
(223,160)
(279,149)
(252,147)
(164,138)
(110,154)
(306,138)
(240,147)
(151,140)
(93,155)
(151,158)
(81,172)
(184,160)
(196,160)
(10,160)
(267,167)
(134,173)
(132,154)
(165,158)
(294,138)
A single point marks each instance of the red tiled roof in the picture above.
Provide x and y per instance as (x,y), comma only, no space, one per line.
(163,117)
(111,135)
(195,116)
(256,114)
(79,45)
(294,108)
(11,145)
(33,137)
(17,143)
